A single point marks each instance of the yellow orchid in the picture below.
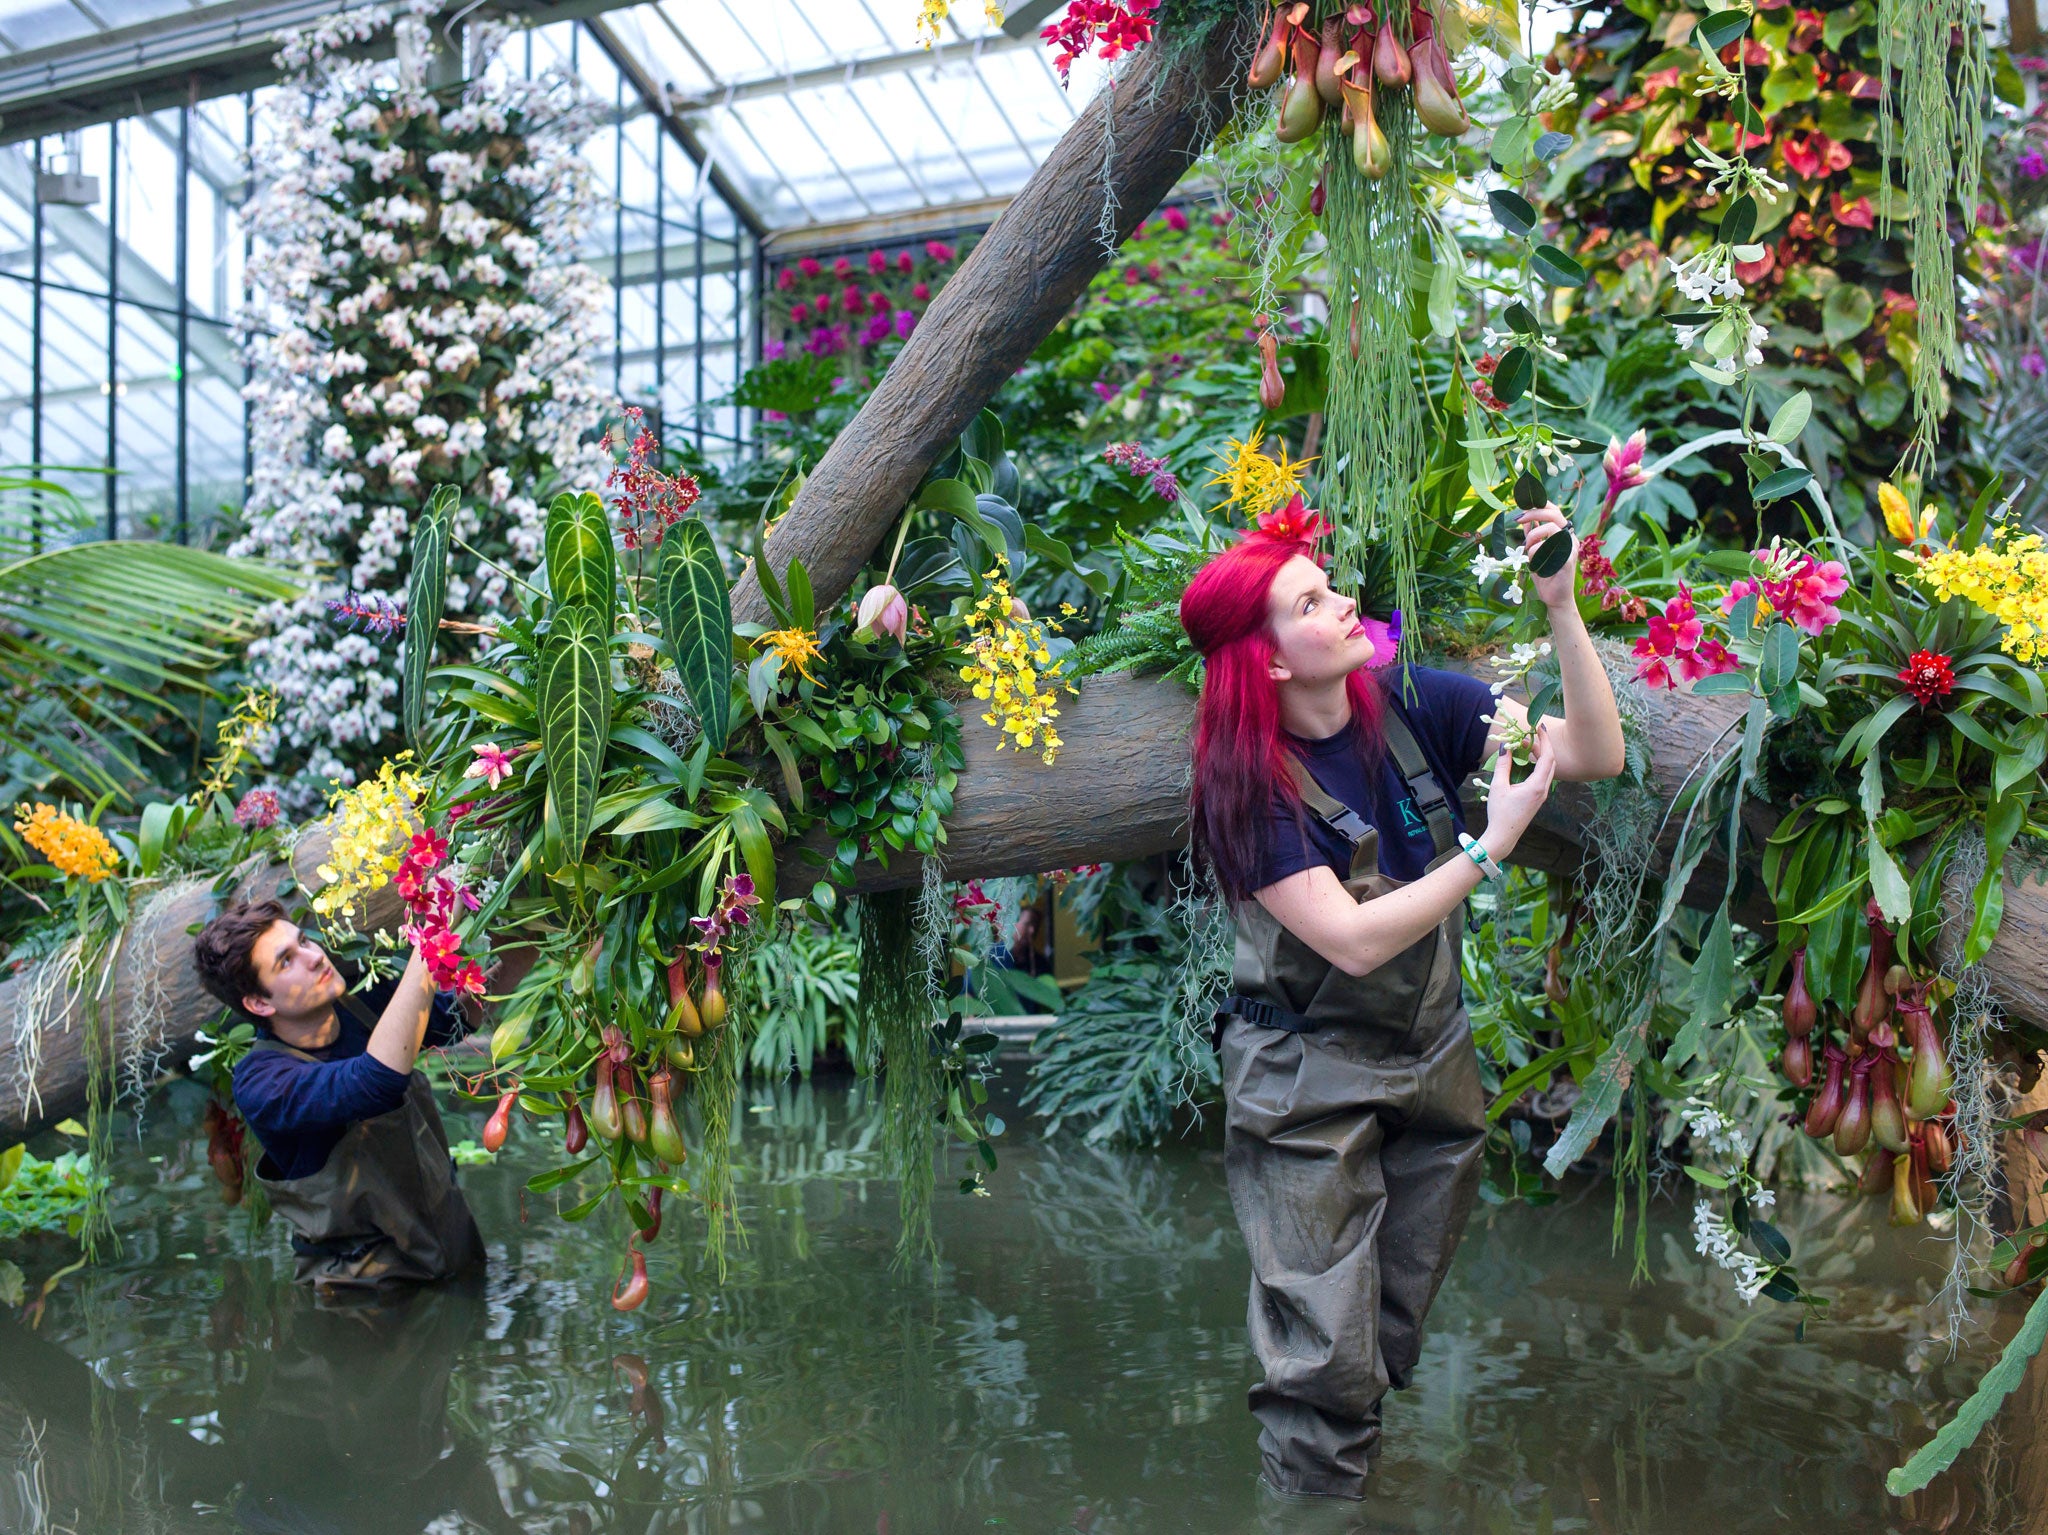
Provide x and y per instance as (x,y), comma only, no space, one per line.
(2006,576)
(797,647)
(73,847)
(1013,672)
(372,823)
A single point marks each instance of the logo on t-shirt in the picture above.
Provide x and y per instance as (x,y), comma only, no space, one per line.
(1411,818)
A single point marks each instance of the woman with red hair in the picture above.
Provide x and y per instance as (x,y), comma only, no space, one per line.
(1326,806)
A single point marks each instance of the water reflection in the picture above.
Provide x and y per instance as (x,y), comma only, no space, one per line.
(1077,1362)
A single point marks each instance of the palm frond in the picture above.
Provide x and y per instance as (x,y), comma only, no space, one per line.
(92,630)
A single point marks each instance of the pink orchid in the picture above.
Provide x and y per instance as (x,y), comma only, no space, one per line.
(492,764)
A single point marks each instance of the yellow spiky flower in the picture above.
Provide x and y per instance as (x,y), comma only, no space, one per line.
(73,848)
(2006,576)
(797,647)
(1255,480)
(930,14)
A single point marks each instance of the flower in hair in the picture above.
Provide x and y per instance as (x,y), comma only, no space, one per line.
(1293,523)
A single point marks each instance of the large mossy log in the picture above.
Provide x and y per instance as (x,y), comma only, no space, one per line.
(1118,791)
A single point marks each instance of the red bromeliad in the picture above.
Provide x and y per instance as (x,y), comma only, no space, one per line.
(1928,675)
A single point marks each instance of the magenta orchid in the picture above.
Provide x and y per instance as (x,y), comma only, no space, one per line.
(1677,648)
(1793,584)
(733,911)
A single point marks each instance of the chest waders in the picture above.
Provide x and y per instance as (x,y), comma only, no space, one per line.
(1353,1130)
(384,1208)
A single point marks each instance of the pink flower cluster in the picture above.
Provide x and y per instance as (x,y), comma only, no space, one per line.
(1677,646)
(1111,27)
(974,904)
(650,502)
(258,810)
(1132,459)
(1793,583)
(436,898)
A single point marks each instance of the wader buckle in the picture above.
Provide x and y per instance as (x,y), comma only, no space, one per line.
(1263,1015)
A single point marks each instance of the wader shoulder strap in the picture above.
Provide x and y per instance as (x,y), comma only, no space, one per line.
(1424,791)
(1429,797)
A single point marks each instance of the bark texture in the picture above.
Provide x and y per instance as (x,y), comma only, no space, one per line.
(1006,298)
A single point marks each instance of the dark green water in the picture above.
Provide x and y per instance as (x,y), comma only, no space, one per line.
(1078,1364)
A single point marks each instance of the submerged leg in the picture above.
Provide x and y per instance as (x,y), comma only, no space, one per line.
(1302,1153)
(1431,1165)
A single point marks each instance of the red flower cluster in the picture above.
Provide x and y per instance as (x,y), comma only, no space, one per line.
(650,502)
(1604,582)
(1928,675)
(1677,647)
(436,899)
(1110,27)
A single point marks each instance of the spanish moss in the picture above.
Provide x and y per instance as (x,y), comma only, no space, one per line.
(896,1012)
(1376,417)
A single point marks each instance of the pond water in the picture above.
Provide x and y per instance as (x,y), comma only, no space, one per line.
(1077,1363)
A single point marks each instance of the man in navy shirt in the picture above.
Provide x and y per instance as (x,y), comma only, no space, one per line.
(355,1155)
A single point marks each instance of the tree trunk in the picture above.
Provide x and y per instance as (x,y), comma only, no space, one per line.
(1006,298)
(1118,791)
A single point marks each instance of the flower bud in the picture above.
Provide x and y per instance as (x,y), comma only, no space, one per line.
(883,611)
(1272,387)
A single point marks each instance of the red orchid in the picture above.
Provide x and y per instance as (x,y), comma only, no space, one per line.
(1294,523)
(1928,675)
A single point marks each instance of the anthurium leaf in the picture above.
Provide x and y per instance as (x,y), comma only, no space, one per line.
(696,617)
(426,599)
(577,538)
(575,720)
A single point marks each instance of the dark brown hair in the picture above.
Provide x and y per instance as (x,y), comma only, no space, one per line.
(224,951)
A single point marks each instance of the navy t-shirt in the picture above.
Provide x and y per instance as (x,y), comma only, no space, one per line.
(299,1109)
(1448,713)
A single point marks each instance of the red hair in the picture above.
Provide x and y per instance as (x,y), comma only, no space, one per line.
(1241,764)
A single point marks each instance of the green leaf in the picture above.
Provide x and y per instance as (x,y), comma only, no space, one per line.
(575,721)
(1722,682)
(1888,886)
(582,567)
(1790,419)
(1517,371)
(1775,487)
(1718,31)
(426,599)
(1523,1078)
(2021,759)
(1770,1242)
(1780,662)
(2001,825)
(1846,313)
(1701,1175)
(1512,210)
(803,606)
(1961,1431)
(1610,1078)
(1555,266)
(1713,978)
(696,618)
(1739,222)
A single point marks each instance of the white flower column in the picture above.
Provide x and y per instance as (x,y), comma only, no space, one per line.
(415,321)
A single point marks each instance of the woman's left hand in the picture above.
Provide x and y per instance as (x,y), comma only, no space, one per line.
(1538,525)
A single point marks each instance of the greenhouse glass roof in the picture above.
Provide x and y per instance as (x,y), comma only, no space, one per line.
(811,112)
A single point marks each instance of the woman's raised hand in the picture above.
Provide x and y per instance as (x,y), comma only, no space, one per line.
(1511,806)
